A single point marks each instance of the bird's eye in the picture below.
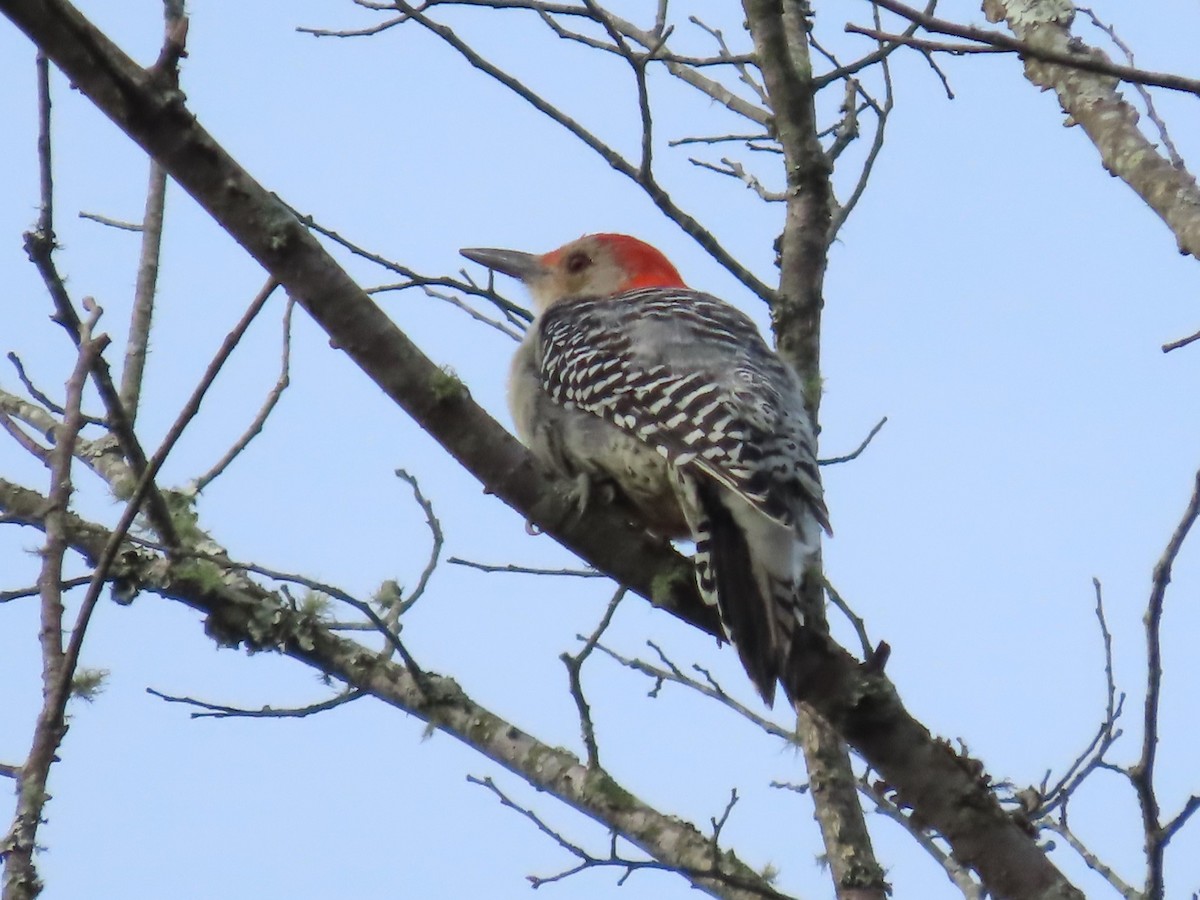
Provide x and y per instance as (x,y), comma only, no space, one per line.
(577,262)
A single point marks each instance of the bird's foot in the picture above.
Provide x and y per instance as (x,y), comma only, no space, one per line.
(584,493)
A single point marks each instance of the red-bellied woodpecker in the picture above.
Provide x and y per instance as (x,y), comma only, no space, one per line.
(628,377)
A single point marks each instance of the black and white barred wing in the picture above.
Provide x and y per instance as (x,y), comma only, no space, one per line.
(691,377)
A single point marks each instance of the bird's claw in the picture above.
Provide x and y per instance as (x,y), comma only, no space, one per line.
(583,493)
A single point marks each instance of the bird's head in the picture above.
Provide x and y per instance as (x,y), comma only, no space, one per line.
(596,265)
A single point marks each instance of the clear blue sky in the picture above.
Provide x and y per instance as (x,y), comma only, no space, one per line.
(997,295)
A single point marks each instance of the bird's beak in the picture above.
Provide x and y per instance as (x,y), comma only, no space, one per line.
(525,266)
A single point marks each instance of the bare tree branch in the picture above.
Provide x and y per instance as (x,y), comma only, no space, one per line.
(841,213)
(644,179)
(1091,860)
(175,32)
(1182,342)
(101,456)
(1093,755)
(1147,98)
(960,876)
(221,711)
(1075,55)
(111,223)
(39,245)
(58,665)
(35,590)
(1142,773)
(28,444)
(891,41)
(669,672)
(859,702)
(20,881)
(870,59)
(574,664)
(1093,102)
(242,613)
(857,452)
(525,570)
(437,401)
(512,312)
(260,420)
(40,396)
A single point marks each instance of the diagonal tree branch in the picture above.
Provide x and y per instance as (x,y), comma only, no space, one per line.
(157,119)
(243,614)
(1075,55)
(1093,102)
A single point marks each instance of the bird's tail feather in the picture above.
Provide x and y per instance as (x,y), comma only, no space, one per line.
(747,565)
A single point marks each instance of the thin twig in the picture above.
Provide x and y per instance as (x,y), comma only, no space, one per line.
(1171,828)
(574,666)
(856,621)
(836,460)
(870,59)
(438,539)
(670,672)
(268,406)
(713,874)
(720,139)
(511,568)
(111,223)
(219,711)
(958,874)
(842,212)
(924,44)
(512,312)
(1147,98)
(1182,342)
(682,67)
(586,858)
(389,634)
(735,169)
(1142,772)
(742,64)
(846,131)
(718,824)
(457,303)
(657,194)
(39,246)
(1091,860)
(40,396)
(108,555)
(185,416)
(34,590)
(142,314)
(1093,755)
(27,443)
(637,62)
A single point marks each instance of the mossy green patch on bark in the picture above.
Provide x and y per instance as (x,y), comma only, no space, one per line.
(446,386)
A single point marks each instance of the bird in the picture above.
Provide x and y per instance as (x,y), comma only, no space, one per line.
(630,381)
